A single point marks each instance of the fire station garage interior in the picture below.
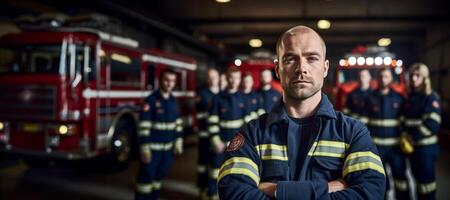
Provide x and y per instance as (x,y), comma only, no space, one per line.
(77,120)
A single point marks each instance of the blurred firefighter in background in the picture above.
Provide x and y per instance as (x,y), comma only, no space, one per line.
(357,99)
(204,104)
(225,119)
(384,111)
(251,97)
(160,136)
(269,96)
(223,82)
(422,114)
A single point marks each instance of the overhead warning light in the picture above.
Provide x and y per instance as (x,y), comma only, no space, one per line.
(255,42)
(378,61)
(384,42)
(323,24)
(387,60)
(238,62)
(369,61)
(352,61)
(399,63)
(342,62)
(360,61)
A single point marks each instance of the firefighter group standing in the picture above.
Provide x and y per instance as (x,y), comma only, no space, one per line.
(403,128)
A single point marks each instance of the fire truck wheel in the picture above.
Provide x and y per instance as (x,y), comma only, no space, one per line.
(121,145)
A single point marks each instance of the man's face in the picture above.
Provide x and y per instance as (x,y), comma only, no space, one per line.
(302,66)
(385,78)
(234,79)
(364,77)
(416,79)
(167,82)
(247,82)
(266,77)
(213,78)
(223,82)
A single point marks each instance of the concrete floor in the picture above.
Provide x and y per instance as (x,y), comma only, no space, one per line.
(18,181)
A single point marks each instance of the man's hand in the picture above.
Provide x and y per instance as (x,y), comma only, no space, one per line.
(336,185)
(268,188)
(146,157)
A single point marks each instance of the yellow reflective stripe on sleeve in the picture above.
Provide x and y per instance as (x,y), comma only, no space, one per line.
(410,122)
(364,120)
(328,148)
(401,185)
(164,126)
(213,129)
(145,124)
(202,115)
(427,141)
(156,185)
(179,129)
(426,188)
(271,146)
(213,119)
(434,116)
(179,121)
(424,130)
(392,141)
(240,165)
(358,161)
(261,111)
(384,122)
(214,173)
(230,124)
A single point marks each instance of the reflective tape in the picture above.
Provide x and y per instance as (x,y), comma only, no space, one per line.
(364,120)
(203,134)
(179,121)
(213,129)
(179,129)
(157,146)
(392,141)
(433,116)
(426,188)
(201,169)
(213,119)
(328,148)
(272,152)
(362,160)
(384,122)
(144,188)
(202,115)
(231,124)
(410,122)
(156,185)
(240,166)
(401,185)
(427,141)
(144,128)
(164,126)
(261,111)
(424,130)
(346,110)
(214,173)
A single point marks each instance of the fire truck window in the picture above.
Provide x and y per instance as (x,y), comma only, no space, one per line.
(151,77)
(30,59)
(125,70)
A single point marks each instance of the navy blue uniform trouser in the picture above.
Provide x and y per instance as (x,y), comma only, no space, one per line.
(394,157)
(204,155)
(153,172)
(423,168)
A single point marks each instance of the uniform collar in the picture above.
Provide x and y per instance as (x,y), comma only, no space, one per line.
(278,112)
(160,96)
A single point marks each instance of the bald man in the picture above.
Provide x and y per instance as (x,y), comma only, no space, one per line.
(355,105)
(302,148)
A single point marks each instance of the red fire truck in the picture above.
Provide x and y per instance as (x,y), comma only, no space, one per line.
(76,93)
(255,67)
(371,58)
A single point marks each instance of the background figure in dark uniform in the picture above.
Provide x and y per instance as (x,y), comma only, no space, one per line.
(384,113)
(355,105)
(225,118)
(204,104)
(160,136)
(252,98)
(422,121)
(269,96)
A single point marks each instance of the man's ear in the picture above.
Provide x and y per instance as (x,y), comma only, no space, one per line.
(277,67)
(326,67)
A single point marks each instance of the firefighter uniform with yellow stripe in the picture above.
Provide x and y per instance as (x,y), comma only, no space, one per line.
(227,116)
(204,104)
(268,98)
(336,147)
(355,105)
(384,113)
(422,121)
(160,129)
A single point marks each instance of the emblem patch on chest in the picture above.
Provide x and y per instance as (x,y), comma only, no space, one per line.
(236,143)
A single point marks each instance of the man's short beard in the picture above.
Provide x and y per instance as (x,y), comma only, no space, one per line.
(302,96)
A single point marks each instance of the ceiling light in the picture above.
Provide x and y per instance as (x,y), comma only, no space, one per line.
(369,61)
(378,61)
(352,61)
(360,61)
(384,42)
(223,1)
(323,24)
(238,62)
(387,60)
(255,43)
